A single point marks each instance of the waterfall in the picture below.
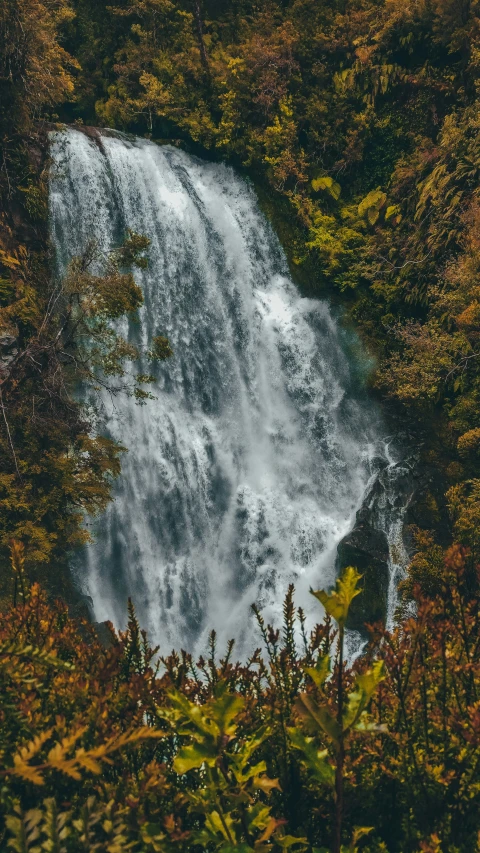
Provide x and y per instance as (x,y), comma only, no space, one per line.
(248,467)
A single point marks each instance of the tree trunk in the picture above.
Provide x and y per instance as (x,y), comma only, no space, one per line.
(337,831)
(337,835)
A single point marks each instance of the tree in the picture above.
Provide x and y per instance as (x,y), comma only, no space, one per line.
(54,469)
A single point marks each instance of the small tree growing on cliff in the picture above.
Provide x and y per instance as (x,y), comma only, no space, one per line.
(351,706)
(55,470)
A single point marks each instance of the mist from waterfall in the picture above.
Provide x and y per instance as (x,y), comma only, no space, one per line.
(246,471)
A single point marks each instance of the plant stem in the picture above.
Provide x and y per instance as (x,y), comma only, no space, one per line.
(337,837)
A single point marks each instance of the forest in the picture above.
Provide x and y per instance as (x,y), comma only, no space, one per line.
(358,122)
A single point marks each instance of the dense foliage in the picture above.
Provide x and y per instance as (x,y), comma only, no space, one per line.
(53,333)
(358,120)
(109,748)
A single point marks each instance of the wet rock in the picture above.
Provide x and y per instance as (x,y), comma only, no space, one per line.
(7,341)
(379,546)
(80,605)
(367,549)
(104,634)
(8,352)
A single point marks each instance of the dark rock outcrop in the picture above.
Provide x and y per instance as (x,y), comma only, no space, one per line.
(104,634)
(380,532)
(367,548)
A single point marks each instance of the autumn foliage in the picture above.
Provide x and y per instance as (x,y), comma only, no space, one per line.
(109,747)
(358,120)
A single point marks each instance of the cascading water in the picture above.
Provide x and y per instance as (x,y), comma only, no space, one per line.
(245,472)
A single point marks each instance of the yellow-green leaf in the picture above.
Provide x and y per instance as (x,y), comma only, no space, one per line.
(337,603)
(358,699)
(192,757)
(264,783)
(319,716)
(316,760)
(327,184)
(372,204)
(320,672)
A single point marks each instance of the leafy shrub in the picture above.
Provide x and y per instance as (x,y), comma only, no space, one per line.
(115,748)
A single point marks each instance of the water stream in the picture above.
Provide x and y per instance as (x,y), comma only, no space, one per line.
(246,471)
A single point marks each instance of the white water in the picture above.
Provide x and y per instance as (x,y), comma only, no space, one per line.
(390,517)
(247,470)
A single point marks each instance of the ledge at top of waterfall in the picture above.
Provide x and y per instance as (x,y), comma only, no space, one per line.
(245,472)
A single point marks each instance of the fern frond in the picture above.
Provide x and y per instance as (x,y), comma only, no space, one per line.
(55,828)
(22,758)
(24,829)
(46,657)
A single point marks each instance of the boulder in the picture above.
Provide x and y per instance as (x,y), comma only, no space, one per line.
(366,548)
(382,517)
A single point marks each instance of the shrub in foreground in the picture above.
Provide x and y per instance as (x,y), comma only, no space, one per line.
(115,748)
